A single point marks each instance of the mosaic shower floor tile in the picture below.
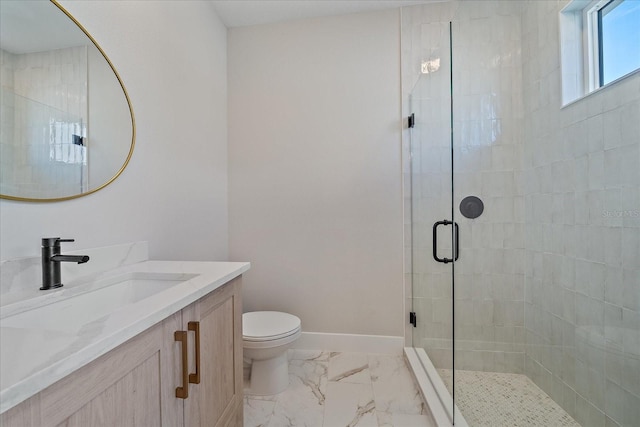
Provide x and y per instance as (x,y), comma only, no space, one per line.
(491,399)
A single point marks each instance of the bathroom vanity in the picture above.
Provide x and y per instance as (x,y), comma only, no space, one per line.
(152,343)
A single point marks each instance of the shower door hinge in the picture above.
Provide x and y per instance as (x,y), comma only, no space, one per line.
(412,120)
(413,318)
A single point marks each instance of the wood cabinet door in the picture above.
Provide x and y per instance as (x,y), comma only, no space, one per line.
(217,399)
(129,386)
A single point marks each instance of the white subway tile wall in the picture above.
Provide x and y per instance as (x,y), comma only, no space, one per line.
(577,351)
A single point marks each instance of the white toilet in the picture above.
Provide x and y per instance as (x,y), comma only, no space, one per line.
(266,337)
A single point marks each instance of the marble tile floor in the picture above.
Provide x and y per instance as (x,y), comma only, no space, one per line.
(492,399)
(329,389)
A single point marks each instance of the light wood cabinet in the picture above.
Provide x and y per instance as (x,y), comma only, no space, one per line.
(217,399)
(135,383)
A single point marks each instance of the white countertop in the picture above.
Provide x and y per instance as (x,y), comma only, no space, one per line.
(32,359)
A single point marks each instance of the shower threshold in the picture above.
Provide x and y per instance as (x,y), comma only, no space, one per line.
(433,389)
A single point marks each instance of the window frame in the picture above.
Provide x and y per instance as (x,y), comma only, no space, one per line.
(592,15)
(581,48)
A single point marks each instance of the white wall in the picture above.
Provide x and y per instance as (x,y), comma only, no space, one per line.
(315,197)
(172,59)
(108,145)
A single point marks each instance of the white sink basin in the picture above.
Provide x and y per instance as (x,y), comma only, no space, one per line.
(86,304)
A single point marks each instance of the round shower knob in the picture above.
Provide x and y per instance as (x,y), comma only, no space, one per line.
(471,207)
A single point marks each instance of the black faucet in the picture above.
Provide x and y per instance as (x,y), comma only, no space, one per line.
(51,259)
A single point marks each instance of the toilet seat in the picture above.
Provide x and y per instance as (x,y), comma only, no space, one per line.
(262,326)
(266,344)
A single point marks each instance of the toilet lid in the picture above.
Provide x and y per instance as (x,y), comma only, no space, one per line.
(268,325)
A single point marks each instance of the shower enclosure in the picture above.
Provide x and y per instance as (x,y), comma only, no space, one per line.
(44,123)
(513,288)
(40,144)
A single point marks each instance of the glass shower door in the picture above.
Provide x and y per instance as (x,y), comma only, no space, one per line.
(431,202)
(466,233)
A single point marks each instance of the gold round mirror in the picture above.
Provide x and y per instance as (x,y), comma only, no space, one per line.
(67,127)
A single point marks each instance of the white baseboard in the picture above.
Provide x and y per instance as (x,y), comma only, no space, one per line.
(352,343)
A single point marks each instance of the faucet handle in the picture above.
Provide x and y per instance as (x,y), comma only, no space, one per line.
(48,242)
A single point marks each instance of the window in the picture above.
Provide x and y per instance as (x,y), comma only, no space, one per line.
(600,43)
(618,39)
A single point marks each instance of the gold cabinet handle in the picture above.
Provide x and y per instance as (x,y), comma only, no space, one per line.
(183,392)
(195,327)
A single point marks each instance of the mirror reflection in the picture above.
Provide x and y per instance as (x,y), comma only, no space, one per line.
(66,123)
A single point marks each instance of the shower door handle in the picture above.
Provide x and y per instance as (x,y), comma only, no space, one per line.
(435,241)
